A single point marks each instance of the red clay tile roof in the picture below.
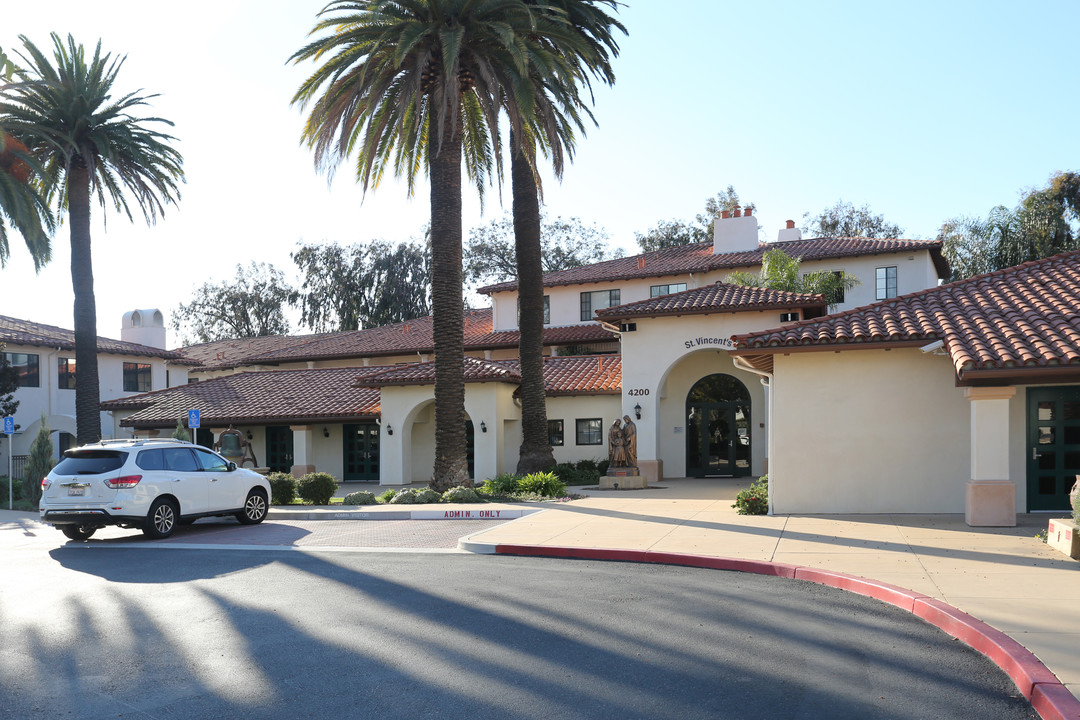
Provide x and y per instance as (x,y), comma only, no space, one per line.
(404,338)
(1018,322)
(273,396)
(718,297)
(699,257)
(25,332)
(476,370)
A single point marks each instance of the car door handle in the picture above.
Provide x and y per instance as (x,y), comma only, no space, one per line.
(213,479)
(174,479)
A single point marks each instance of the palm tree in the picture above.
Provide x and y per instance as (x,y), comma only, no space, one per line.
(89,144)
(419,84)
(21,204)
(581,44)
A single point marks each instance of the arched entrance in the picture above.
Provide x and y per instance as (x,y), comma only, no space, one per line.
(718,427)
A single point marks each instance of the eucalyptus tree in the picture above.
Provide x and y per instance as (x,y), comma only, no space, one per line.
(89,144)
(415,85)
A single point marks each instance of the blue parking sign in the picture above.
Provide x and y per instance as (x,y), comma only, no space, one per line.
(9,425)
(193,418)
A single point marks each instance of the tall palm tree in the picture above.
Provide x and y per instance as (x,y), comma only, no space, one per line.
(89,145)
(581,44)
(419,84)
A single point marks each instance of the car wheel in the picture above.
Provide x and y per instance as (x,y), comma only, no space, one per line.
(162,519)
(254,508)
(78,532)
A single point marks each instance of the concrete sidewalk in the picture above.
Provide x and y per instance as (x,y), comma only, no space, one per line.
(1003,576)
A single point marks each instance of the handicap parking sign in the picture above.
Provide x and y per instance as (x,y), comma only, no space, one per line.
(9,425)
(193,418)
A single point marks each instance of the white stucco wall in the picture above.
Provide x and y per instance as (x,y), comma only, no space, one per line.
(868,431)
(582,407)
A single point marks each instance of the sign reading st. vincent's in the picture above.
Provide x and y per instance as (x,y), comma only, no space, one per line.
(708,342)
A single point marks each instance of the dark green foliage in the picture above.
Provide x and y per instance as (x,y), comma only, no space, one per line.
(387,495)
(845,220)
(780,271)
(180,432)
(754,500)
(39,463)
(584,472)
(673,233)
(505,483)
(250,305)
(283,488)
(317,487)
(9,383)
(601,467)
(546,484)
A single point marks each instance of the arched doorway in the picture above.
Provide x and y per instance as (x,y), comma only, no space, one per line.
(718,427)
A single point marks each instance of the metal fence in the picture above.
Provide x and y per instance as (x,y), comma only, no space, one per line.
(18,466)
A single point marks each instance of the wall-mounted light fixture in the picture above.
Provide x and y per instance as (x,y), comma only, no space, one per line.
(483,426)
(250,436)
(326,432)
(637,411)
(389,429)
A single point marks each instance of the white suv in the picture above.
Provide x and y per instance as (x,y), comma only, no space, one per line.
(147,484)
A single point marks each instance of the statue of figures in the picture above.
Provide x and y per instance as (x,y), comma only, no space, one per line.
(616,446)
(629,434)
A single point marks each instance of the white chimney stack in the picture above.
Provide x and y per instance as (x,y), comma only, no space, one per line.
(735,231)
(789,233)
(145,327)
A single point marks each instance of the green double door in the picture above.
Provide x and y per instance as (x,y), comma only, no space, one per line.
(1053,450)
(718,428)
(361,453)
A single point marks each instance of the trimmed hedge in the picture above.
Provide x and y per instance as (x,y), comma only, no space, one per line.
(282,488)
(317,487)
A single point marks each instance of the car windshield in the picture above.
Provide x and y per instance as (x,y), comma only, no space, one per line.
(90,462)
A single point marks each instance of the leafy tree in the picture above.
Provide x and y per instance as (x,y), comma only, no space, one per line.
(89,144)
(249,306)
(9,383)
(490,255)
(420,85)
(1045,222)
(674,233)
(845,220)
(39,463)
(363,285)
(780,271)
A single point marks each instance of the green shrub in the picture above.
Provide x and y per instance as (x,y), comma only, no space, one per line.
(317,487)
(601,468)
(362,497)
(282,488)
(503,483)
(405,497)
(427,496)
(754,500)
(546,484)
(576,474)
(461,495)
(586,466)
(387,496)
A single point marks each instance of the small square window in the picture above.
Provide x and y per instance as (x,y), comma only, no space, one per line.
(886,282)
(136,377)
(555,432)
(590,431)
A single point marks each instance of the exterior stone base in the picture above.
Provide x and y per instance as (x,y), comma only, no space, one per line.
(298,471)
(990,503)
(624,482)
(1063,535)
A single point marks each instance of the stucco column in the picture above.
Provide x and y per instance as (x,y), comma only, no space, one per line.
(990,499)
(302,455)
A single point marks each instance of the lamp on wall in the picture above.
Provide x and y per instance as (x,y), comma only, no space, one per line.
(389,429)
(637,411)
(326,432)
(250,437)
(483,426)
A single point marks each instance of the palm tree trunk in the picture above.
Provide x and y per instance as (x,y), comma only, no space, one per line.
(451,467)
(87,391)
(535,453)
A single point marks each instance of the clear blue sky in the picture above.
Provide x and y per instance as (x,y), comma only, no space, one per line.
(924,111)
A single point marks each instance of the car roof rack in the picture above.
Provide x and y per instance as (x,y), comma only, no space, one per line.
(138,441)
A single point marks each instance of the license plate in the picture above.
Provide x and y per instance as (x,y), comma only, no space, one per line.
(76,491)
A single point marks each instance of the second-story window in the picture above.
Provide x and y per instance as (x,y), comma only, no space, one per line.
(886,282)
(136,377)
(593,301)
(65,373)
(26,368)
(658,290)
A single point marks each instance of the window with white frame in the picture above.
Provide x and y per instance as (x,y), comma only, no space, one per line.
(886,282)
(598,300)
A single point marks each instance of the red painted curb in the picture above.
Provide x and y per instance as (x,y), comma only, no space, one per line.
(1049,698)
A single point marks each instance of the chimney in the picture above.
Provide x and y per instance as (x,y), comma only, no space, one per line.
(789,233)
(145,327)
(735,232)
(641,262)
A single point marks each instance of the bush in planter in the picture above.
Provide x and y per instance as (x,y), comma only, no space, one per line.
(282,488)
(754,500)
(387,496)
(461,495)
(504,483)
(362,497)
(405,497)
(427,496)
(317,487)
(546,484)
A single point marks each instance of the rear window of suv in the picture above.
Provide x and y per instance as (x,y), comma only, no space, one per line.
(90,462)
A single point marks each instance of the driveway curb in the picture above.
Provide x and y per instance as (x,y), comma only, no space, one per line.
(1050,698)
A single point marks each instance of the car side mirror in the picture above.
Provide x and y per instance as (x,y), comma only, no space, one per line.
(232,466)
